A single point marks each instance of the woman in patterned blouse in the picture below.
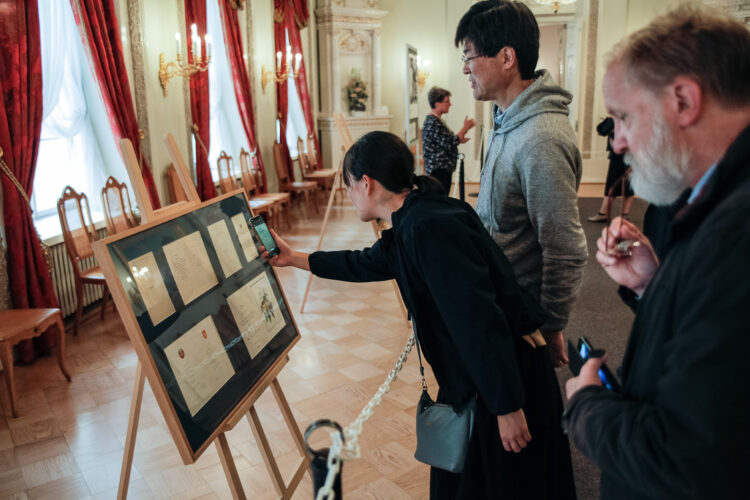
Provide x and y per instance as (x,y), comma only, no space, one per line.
(439,143)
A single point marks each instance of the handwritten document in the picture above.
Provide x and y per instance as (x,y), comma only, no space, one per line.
(200,364)
(230,262)
(257,314)
(151,286)
(190,266)
(245,237)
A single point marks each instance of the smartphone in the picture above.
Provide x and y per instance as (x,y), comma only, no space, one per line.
(264,235)
(582,353)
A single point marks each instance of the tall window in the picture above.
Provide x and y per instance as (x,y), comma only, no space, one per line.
(227,133)
(77,147)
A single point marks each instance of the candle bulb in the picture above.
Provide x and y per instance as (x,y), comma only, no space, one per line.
(207,38)
(278,62)
(297,62)
(178,39)
(196,48)
(193,30)
(288,58)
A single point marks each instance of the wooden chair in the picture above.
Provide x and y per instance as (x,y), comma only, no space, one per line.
(322,176)
(21,324)
(78,233)
(117,215)
(176,193)
(228,183)
(303,188)
(282,202)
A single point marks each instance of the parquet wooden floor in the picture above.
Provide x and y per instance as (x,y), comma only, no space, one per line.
(69,439)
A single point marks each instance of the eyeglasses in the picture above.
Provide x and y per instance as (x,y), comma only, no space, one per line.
(465,59)
(623,248)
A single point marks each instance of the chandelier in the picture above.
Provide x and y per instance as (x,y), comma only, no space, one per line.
(555,3)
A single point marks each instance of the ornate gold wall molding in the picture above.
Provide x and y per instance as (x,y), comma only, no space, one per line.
(135,28)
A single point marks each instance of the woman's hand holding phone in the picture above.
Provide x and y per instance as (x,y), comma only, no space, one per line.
(287,256)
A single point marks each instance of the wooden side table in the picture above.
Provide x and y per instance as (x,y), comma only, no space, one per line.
(20,324)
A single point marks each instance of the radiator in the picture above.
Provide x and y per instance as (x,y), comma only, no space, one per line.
(64,281)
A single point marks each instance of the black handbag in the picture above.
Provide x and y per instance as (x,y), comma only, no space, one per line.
(443,432)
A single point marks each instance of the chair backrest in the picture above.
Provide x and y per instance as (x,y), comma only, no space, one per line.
(302,157)
(118,213)
(280,164)
(227,182)
(248,174)
(176,193)
(77,228)
(312,153)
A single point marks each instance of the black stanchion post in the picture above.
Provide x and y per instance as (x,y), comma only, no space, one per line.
(461,186)
(319,460)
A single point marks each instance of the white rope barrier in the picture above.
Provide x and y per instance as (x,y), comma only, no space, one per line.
(348,448)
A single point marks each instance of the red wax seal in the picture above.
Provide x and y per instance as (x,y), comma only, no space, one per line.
(181,353)
(205,335)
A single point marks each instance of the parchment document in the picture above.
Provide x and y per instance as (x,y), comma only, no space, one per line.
(257,313)
(151,287)
(200,364)
(245,236)
(190,266)
(230,262)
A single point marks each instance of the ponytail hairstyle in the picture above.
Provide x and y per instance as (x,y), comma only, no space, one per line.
(385,158)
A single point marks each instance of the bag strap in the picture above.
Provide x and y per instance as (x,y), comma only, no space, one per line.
(419,354)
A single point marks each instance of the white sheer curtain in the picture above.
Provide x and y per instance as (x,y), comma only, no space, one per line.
(225,123)
(295,120)
(77,147)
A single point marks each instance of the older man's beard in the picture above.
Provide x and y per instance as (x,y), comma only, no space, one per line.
(659,171)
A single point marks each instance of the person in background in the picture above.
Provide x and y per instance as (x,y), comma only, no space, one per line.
(439,143)
(615,172)
(528,192)
(476,326)
(678,91)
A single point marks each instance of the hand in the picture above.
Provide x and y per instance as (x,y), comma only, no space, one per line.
(514,432)
(287,256)
(463,139)
(634,271)
(589,375)
(468,123)
(556,348)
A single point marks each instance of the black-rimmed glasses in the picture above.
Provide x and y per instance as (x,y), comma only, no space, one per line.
(465,59)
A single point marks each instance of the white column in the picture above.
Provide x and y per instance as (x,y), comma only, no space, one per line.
(376,88)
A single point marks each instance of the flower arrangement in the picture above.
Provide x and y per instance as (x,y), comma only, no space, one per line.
(356,93)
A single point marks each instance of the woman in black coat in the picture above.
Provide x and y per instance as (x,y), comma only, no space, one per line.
(476,327)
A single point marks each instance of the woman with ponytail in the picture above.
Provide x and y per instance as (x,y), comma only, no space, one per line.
(476,326)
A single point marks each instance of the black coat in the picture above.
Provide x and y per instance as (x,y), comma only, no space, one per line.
(681,427)
(470,314)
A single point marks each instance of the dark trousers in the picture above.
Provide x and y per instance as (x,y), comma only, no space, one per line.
(444,177)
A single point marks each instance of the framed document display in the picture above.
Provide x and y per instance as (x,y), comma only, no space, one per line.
(204,311)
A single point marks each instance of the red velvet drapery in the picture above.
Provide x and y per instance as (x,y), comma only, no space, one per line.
(20,128)
(233,40)
(281,14)
(195,12)
(97,19)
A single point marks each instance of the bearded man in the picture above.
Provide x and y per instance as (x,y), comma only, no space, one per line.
(679,94)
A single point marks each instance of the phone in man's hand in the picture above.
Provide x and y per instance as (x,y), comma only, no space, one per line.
(264,235)
(581,353)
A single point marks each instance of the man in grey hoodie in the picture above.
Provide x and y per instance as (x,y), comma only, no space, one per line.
(529,183)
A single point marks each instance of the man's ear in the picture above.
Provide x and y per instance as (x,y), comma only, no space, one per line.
(507,56)
(686,100)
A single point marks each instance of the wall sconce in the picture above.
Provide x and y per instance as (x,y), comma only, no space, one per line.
(555,3)
(178,68)
(423,72)
(279,76)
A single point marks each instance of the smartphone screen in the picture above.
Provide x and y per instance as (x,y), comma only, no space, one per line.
(583,349)
(264,235)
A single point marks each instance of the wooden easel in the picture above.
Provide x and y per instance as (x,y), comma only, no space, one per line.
(346,139)
(246,407)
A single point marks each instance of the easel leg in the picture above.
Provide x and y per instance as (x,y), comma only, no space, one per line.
(320,238)
(135,413)
(227,463)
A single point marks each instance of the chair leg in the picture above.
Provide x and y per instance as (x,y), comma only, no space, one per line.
(79,306)
(105,297)
(61,346)
(6,356)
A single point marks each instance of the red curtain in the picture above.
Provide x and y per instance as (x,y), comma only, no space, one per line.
(20,127)
(233,40)
(195,13)
(304,96)
(97,19)
(282,12)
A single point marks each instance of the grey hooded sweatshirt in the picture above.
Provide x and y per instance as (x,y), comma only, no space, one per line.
(528,197)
